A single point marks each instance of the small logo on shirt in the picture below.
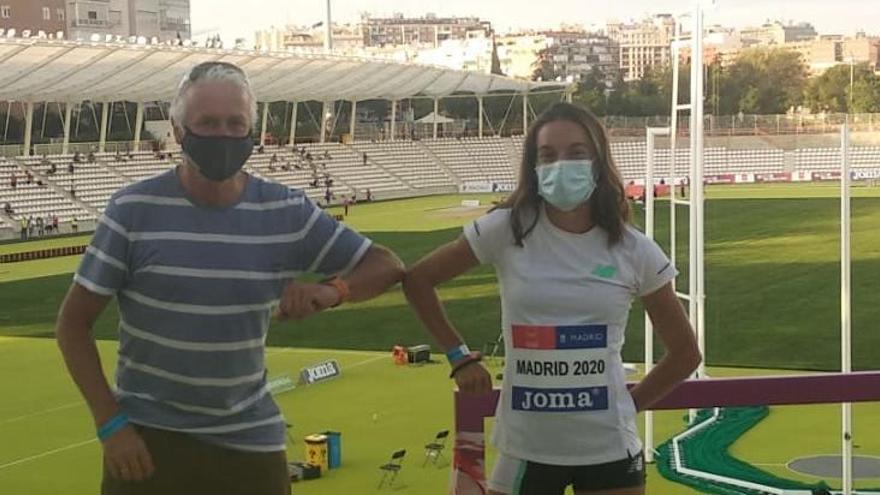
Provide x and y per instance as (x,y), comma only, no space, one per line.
(636,464)
(605,271)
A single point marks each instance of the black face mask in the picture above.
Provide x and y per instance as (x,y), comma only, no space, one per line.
(218,157)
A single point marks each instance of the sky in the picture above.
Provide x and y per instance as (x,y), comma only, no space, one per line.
(241,18)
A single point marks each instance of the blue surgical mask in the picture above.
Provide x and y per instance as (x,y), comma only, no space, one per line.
(566,184)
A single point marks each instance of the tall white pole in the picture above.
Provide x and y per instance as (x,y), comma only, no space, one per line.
(328,30)
(673,142)
(845,303)
(649,327)
(525,109)
(697,199)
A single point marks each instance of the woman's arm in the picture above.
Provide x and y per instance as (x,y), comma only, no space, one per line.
(682,355)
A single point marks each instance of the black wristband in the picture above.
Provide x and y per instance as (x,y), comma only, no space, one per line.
(475,357)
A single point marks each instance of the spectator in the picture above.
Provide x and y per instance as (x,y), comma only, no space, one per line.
(346,204)
(91,157)
(30,177)
(41,227)
(327,155)
(328,195)
(369,195)
(31,226)
(365,159)
(261,149)
(7,208)
(77,157)
(274,159)
(52,169)
(70,168)
(13,181)
(202,410)
(74,225)
(24,228)
(55,223)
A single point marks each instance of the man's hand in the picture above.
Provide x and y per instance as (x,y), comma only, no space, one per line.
(299,300)
(474,379)
(126,456)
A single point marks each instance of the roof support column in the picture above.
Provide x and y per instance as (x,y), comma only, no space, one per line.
(292,140)
(28,127)
(480,126)
(264,123)
(393,119)
(138,125)
(436,114)
(353,122)
(102,141)
(525,113)
(68,111)
(324,119)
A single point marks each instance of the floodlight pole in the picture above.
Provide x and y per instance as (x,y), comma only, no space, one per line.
(328,30)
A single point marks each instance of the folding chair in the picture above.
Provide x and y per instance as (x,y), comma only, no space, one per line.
(434,450)
(392,468)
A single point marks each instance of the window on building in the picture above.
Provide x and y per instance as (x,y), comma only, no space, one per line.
(59,13)
(5,11)
(93,15)
(47,14)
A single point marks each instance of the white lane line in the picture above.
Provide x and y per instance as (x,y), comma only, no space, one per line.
(47,453)
(38,413)
(270,352)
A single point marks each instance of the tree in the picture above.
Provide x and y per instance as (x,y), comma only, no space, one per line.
(830,92)
(763,81)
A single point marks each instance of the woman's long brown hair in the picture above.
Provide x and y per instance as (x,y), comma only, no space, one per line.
(609,208)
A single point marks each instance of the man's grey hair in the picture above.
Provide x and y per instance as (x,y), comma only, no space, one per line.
(211,71)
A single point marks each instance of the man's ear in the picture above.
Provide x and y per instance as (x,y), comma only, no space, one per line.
(178,133)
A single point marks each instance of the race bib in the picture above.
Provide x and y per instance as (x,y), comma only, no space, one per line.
(559,368)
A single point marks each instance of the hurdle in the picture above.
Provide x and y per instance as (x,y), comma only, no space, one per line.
(468,475)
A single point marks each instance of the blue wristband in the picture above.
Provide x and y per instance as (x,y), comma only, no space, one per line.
(457,353)
(112,425)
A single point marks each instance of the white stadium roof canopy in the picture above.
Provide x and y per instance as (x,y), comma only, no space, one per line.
(39,70)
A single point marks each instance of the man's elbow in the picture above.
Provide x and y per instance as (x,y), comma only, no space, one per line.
(391,264)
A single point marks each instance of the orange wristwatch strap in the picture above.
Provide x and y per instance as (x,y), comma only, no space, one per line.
(341,286)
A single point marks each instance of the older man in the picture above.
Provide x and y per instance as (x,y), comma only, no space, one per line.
(199,257)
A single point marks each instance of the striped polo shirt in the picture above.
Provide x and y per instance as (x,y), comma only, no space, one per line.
(196,288)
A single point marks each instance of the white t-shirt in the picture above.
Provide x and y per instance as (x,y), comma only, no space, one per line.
(565,301)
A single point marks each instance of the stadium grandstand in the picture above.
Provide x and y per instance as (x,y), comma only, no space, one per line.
(76,185)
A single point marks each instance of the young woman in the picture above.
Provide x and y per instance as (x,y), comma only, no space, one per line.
(569,267)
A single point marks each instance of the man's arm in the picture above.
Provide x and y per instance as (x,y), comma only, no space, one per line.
(377,271)
(125,454)
(73,332)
